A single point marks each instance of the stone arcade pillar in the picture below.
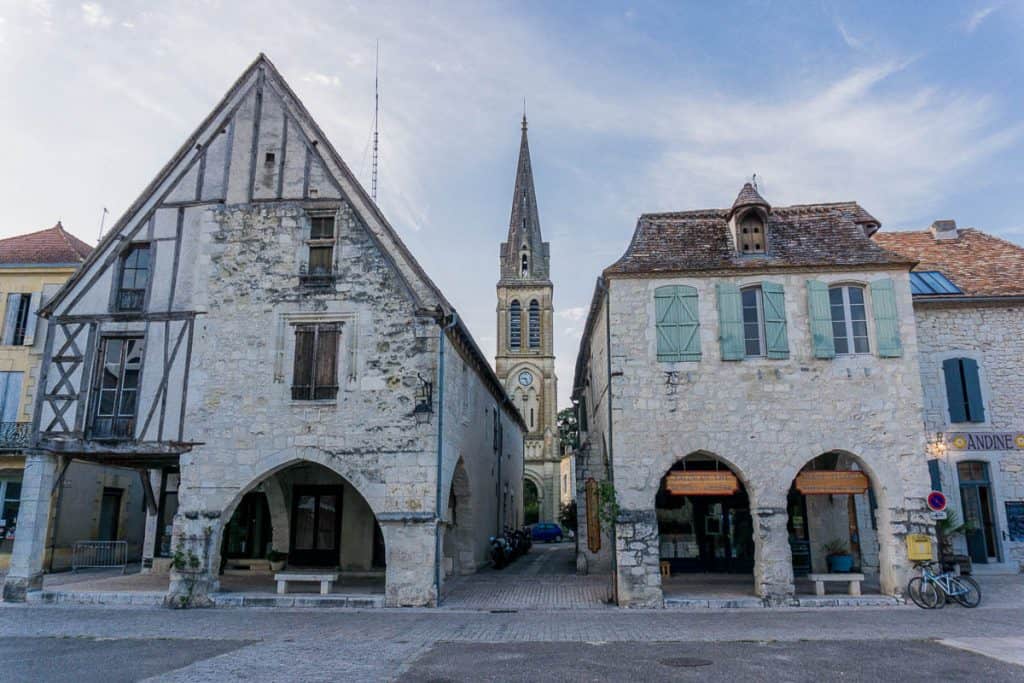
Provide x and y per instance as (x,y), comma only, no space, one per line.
(26,570)
(409,539)
(195,553)
(638,575)
(773,560)
(149,536)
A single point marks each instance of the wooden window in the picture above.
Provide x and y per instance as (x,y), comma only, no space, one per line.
(752,234)
(134,280)
(320,266)
(849,319)
(764,321)
(677,323)
(534,324)
(753,322)
(515,325)
(315,377)
(20,319)
(116,393)
(963,390)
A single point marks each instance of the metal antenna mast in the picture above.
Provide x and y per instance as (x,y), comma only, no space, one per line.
(376,117)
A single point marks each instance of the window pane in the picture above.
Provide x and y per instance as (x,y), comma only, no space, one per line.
(326,525)
(860,328)
(302,376)
(835,296)
(856,295)
(305,511)
(860,344)
(326,380)
(113,352)
(321,260)
(128,404)
(841,345)
(13,491)
(322,228)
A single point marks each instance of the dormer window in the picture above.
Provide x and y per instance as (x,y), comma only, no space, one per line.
(751,234)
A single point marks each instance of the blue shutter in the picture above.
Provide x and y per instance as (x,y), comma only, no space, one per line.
(775,336)
(730,321)
(972,388)
(887,321)
(954,390)
(819,312)
(677,323)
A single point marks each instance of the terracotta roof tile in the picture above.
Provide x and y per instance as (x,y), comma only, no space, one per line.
(810,235)
(53,245)
(977,263)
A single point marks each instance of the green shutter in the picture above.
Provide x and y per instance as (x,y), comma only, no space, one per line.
(775,336)
(972,388)
(677,322)
(820,315)
(887,320)
(955,397)
(730,321)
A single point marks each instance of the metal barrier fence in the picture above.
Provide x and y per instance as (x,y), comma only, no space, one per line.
(97,554)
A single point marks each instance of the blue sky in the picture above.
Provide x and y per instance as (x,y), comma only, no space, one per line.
(911,108)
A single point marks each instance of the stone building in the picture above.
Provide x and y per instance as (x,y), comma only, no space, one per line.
(748,384)
(254,334)
(968,292)
(525,359)
(92,503)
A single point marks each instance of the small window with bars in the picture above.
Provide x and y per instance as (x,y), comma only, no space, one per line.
(315,375)
(134,278)
(319,270)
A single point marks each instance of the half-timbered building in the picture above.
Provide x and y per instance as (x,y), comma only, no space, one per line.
(254,337)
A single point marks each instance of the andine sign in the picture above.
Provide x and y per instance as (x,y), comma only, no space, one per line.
(986,441)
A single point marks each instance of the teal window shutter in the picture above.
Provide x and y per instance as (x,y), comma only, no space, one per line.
(887,322)
(677,322)
(774,298)
(972,388)
(819,312)
(730,321)
(956,399)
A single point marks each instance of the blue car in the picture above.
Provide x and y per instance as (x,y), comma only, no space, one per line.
(546,531)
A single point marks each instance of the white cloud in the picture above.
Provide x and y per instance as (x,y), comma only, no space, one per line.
(978,16)
(574,314)
(93,14)
(322,79)
(851,40)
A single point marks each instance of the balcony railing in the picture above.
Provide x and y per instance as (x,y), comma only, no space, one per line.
(15,436)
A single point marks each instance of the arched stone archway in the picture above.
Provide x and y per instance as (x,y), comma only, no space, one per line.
(533,498)
(319,517)
(459,553)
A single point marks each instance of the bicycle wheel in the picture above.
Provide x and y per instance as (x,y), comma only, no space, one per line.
(971,591)
(924,593)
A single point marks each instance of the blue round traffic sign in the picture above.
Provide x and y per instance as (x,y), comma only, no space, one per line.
(937,501)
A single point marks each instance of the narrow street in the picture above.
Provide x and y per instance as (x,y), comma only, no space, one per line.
(544,578)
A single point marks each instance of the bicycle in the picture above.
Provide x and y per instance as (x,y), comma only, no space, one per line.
(933,591)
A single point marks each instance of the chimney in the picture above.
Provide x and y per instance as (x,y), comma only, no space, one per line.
(944,230)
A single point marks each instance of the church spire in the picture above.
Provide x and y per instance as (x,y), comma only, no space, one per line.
(525,254)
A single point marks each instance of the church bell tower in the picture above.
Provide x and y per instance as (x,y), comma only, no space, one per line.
(525,357)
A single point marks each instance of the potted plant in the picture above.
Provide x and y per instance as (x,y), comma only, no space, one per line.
(838,556)
(277,560)
(948,529)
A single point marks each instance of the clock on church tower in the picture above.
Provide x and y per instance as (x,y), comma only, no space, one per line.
(525,355)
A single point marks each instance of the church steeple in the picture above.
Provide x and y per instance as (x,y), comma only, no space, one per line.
(524,256)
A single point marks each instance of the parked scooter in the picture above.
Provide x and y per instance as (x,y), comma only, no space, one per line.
(499,552)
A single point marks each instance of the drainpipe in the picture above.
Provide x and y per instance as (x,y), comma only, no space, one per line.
(442,329)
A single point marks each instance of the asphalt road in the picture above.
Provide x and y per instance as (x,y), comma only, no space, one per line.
(779,662)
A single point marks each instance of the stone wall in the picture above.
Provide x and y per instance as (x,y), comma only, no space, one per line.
(764,418)
(994,337)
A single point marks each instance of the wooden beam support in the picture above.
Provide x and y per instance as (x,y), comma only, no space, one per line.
(65,462)
(147,491)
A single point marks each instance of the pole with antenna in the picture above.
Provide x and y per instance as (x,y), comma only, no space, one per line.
(376,119)
(103,218)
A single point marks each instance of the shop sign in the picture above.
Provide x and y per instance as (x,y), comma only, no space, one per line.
(702,483)
(593,516)
(821,482)
(986,441)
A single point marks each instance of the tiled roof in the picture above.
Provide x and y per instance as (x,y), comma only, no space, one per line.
(50,246)
(977,263)
(808,235)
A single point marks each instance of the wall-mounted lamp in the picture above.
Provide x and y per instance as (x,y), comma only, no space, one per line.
(937,446)
(424,401)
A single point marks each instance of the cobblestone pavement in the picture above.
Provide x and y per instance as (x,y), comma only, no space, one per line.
(544,578)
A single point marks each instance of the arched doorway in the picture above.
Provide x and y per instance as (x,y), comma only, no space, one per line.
(315,517)
(531,502)
(460,555)
(832,521)
(704,520)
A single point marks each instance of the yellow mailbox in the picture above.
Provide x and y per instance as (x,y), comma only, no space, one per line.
(919,547)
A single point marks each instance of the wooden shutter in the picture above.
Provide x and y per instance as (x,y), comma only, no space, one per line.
(887,322)
(677,323)
(819,312)
(326,379)
(972,390)
(302,375)
(10,319)
(776,338)
(730,321)
(955,397)
(10,395)
(30,324)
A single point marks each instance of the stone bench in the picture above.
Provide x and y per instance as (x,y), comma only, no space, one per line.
(820,579)
(325,579)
